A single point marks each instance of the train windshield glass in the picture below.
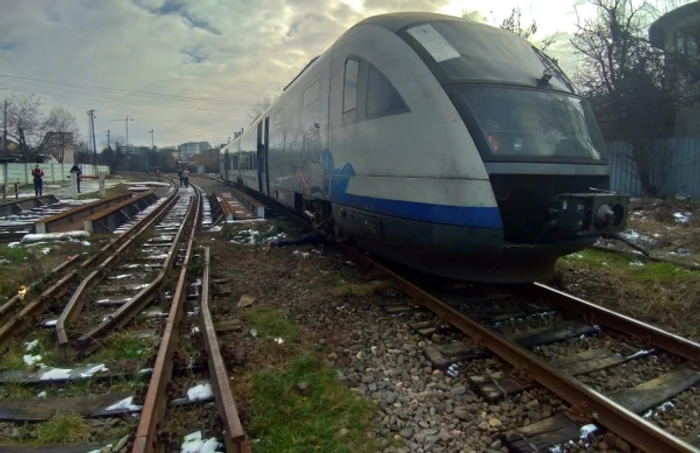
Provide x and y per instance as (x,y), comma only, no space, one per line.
(461,51)
(526,123)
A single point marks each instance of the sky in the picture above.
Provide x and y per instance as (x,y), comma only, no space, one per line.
(191,69)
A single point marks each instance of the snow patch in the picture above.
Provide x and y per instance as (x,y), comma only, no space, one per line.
(125,404)
(193,443)
(54,236)
(200,392)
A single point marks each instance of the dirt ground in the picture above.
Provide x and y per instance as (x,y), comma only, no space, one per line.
(661,294)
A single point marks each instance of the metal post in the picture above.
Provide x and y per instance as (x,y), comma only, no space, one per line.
(4,193)
(102,184)
(74,185)
(17,189)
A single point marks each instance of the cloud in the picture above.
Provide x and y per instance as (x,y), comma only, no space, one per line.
(190,69)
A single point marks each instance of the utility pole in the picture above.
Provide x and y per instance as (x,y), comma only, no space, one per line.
(153,147)
(109,146)
(126,121)
(91,114)
(4,129)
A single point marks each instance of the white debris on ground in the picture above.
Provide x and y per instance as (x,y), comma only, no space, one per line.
(35,237)
(31,345)
(683,217)
(50,322)
(636,237)
(665,406)
(31,360)
(200,392)
(125,404)
(193,443)
(42,394)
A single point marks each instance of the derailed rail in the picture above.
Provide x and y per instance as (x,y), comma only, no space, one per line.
(59,287)
(234,436)
(86,343)
(77,302)
(155,400)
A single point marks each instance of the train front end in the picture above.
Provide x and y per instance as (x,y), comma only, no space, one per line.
(538,140)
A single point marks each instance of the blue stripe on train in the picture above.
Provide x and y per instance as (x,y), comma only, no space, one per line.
(467,216)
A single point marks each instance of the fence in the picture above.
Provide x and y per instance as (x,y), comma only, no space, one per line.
(675,164)
(53,173)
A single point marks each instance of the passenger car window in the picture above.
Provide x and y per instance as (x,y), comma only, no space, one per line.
(382,97)
(352,75)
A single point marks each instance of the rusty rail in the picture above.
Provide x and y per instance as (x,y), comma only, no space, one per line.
(596,314)
(37,305)
(234,436)
(634,429)
(77,302)
(154,404)
(125,313)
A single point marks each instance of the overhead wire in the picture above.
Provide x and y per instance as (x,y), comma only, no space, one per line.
(171,97)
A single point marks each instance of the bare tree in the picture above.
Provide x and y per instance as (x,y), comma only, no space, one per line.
(62,130)
(261,105)
(25,123)
(631,90)
(513,24)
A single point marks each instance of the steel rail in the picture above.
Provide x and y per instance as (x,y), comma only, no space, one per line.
(76,304)
(146,439)
(634,429)
(60,287)
(86,343)
(234,436)
(595,314)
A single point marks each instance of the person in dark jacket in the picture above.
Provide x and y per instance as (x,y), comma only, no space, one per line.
(38,175)
(79,172)
(179,174)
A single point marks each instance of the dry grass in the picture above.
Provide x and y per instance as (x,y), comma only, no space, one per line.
(657,293)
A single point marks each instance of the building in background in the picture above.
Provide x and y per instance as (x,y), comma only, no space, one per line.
(190,149)
(677,33)
(127,149)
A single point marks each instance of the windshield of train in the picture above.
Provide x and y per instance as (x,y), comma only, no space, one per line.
(523,122)
(463,51)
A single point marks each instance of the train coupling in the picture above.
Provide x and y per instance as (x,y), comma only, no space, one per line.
(586,214)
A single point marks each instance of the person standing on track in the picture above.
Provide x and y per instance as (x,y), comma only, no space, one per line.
(179,175)
(38,175)
(78,173)
(186,177)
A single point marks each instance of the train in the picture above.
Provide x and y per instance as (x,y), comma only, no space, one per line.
(445,145)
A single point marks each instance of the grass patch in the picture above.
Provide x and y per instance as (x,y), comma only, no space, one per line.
(13,254)
(11,357)
(123,345)
(271,323)
(63,429)
(650,272)
(657,293)
(329,419)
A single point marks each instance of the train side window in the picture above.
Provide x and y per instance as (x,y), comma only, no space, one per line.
(382,97)
(352,76)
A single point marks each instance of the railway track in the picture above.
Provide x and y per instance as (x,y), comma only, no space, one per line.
(78,350)
(557,342)
(112,402)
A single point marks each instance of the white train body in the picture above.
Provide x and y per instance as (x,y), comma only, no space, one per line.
(393,135)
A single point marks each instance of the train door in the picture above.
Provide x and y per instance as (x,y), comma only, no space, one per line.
(263,148)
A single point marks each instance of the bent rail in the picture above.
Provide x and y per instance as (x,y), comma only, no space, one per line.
(126,312)
(77,302)
(234,436)
(154,402)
